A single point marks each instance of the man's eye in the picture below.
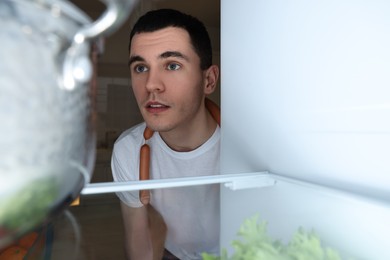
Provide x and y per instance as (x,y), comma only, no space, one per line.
(140,69)
(173,66)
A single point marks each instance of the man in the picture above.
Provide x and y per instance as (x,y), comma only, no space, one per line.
(170,61)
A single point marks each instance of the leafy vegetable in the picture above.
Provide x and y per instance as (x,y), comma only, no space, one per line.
(29,205)
(256,244)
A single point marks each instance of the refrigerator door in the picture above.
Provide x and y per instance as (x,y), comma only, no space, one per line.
(305,95)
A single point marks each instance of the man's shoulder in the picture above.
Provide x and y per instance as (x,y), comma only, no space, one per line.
(133,135)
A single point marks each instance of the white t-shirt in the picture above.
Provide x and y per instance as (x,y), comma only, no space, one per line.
(191,213)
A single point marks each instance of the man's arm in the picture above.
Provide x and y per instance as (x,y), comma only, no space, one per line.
(138,243)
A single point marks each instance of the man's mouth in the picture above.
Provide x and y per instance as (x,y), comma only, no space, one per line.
(155,107)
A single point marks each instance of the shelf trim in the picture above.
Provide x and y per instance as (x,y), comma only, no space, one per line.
(232,181)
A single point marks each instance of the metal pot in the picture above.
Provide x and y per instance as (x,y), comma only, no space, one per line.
(47,141)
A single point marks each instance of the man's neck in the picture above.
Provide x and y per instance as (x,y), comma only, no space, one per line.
(192,136)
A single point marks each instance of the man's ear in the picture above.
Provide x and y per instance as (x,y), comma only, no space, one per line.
(211,79)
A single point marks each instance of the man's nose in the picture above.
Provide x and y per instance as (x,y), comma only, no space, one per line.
(154,82)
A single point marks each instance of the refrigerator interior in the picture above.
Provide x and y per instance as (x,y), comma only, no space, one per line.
(305,95)
(356,227)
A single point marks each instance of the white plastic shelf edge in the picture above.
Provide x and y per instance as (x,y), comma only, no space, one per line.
(232,181)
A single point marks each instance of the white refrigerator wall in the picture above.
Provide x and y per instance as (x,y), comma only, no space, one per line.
(305,93)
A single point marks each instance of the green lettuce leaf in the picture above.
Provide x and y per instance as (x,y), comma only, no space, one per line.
(254,243)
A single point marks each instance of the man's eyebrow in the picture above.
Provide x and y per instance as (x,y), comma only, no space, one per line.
(163,55)
(175,54)
(135,58)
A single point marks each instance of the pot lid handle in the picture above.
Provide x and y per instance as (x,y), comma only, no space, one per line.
(77,67)
(116,13)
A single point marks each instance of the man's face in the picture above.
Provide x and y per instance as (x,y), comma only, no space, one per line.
(167,80)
